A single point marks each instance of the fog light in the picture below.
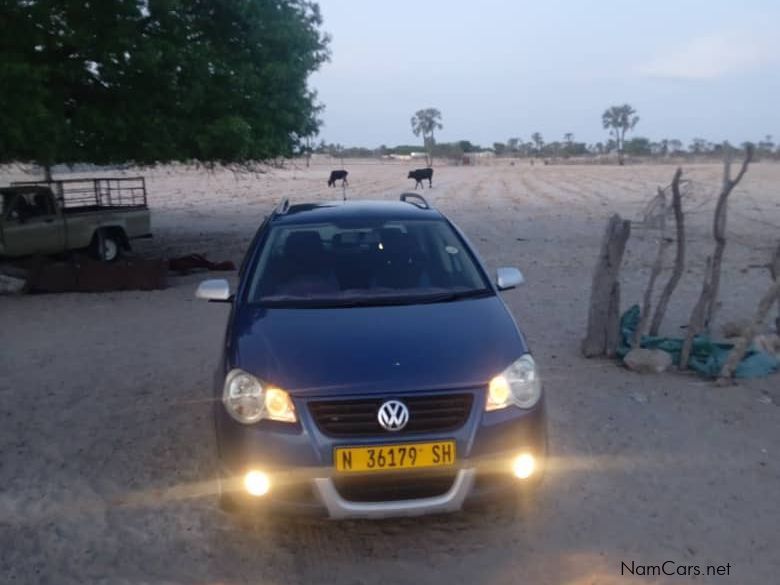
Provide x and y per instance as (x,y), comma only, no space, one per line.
(257,483)
(523,465)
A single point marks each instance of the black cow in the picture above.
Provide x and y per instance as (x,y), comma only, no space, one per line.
(338,176)
(420,175)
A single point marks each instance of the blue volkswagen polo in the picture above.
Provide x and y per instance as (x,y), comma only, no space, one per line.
(371,369)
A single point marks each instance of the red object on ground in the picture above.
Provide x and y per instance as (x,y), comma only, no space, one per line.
(186,264)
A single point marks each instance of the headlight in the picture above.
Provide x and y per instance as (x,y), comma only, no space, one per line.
(519,384)
(248,400)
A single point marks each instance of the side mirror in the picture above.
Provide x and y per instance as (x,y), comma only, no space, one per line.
(507,278)
(216,289)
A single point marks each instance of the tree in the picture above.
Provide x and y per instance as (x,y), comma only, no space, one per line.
(698,146)
(512,144)
(126,80)
(450,150)
(638,146)
(619,120)
(499,148)
(426,122)
(467,146)
(766,146)
(306,149)
(568,138)
(553,148)
(538,141)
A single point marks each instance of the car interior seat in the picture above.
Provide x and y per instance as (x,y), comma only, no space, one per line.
(307,269)
(400,261)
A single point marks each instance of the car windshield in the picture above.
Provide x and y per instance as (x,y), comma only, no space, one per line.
(390,262)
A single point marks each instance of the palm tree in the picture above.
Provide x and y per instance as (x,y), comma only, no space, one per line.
(538,142)
(619,120)
(425,122)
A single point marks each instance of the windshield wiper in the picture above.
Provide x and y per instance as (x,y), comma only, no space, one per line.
(325,303)
(455,296)
(377,301)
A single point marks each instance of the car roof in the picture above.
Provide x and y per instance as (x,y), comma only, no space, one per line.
(335,211)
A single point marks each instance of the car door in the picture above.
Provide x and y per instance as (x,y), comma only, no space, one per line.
(31,224)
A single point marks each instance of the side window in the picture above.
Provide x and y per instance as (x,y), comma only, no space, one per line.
(23,206)
(17,207)
(41,204)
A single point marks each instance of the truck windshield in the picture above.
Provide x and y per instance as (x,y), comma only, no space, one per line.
(393,262)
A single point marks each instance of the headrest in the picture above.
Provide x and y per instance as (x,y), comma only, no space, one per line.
(303,244)
(394,240)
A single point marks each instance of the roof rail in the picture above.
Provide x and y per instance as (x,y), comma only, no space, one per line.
(417,200)
(283,207)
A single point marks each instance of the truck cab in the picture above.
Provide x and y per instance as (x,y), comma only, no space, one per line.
(31,222)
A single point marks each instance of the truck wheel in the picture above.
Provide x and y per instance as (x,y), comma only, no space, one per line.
(110,249)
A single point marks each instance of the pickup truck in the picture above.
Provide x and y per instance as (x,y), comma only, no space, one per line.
(100,215)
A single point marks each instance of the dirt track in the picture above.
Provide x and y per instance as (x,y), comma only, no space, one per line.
(106,448)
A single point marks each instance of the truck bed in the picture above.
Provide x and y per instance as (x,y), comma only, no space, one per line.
(95,194)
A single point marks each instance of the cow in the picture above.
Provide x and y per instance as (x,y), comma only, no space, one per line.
(338,176)
(420,175)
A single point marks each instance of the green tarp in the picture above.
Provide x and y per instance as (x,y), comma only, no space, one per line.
(707,356)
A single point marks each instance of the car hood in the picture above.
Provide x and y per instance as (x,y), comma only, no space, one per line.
(337,351)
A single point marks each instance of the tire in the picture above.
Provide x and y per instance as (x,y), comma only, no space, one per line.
(111,248)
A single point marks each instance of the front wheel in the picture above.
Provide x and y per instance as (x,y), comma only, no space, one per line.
(106,246)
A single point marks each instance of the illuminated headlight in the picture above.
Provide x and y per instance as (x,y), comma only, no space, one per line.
(248,400)
(519,384)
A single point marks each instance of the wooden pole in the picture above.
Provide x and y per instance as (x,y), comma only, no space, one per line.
(774,268)
(679,259)
(647,302)
(742,344)
(603,332)
(719,228)
(696,322)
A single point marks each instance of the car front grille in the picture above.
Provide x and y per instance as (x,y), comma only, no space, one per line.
(427,414)
(393,487)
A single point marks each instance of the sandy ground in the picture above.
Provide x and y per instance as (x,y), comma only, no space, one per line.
(106,449)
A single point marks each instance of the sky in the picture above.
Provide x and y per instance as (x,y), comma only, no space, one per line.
(507,68)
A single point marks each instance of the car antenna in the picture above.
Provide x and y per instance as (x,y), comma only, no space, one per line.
(343,191)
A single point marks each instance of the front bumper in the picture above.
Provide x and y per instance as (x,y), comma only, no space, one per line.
(339,508)
(298,458)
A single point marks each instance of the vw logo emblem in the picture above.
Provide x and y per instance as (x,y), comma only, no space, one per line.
(393,415)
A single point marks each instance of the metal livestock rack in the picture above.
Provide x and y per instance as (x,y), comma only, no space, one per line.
(96,193)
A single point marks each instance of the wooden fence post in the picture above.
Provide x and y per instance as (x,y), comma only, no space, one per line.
(603,333)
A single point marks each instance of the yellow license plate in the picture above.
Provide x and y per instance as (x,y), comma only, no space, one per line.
(388,457)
